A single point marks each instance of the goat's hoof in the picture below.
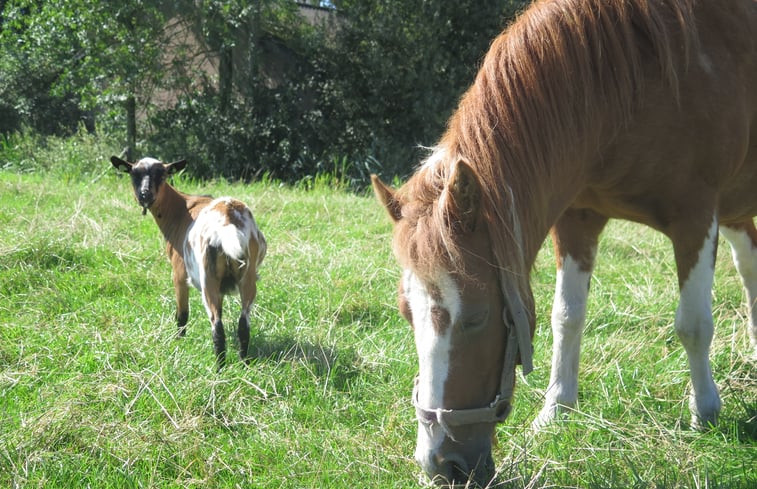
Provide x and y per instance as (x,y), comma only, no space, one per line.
(181,333)
(220,364)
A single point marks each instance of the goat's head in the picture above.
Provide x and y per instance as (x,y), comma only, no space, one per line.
(147,177)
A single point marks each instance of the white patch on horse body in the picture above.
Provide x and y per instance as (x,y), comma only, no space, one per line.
(694,327)
(745,258)
(568,317)
(433,352)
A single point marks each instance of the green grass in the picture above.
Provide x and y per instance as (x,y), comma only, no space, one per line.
(95,390)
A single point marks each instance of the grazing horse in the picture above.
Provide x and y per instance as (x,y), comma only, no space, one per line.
(583,110)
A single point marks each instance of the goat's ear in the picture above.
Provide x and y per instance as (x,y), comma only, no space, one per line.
(120,164)
(386,195)
(176,166)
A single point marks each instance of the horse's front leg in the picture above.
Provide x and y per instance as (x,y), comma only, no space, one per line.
(695,261)
(743,239)
(574,237)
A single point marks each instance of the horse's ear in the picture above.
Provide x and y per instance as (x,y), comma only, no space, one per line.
(120,164)
(386,195)
(461,198)
(176,166)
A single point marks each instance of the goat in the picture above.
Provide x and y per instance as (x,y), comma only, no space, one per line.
(214,244)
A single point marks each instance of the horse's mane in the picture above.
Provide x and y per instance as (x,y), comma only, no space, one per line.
(563,69)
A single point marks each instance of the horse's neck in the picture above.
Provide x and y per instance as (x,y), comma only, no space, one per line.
(536,189)
(539,212)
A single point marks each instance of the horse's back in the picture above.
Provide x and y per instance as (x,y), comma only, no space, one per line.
(693,141)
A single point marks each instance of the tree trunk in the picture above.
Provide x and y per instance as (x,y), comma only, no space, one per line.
(131,127)
(225,74)
(253,41)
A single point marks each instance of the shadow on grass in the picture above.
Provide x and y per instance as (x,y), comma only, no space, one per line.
(341,366)
(741,425)
(745,425)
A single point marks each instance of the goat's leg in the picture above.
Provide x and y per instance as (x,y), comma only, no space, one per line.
(182,300)
(181,289)
(219,343)
(213,300)
(247,292)
(243,332)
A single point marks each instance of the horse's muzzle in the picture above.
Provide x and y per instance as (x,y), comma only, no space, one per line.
(454,463)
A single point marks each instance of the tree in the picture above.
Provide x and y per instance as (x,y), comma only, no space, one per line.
(401,65)
(107,53)
(291,98)
(365,89)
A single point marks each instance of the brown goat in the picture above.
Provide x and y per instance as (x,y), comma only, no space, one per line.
(214,244)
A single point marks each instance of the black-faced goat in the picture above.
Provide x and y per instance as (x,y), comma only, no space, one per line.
(214,244)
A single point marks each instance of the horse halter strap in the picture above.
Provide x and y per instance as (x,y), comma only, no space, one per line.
(499,409)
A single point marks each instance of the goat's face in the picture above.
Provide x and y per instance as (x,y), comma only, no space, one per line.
(147,176)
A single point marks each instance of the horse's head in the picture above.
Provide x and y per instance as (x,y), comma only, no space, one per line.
(451,294)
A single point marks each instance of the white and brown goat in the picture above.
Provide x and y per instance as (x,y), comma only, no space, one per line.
(214,244)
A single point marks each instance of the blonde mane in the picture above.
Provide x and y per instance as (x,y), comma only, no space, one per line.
(564,77)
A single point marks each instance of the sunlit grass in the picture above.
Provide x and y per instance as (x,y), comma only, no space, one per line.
(95,390)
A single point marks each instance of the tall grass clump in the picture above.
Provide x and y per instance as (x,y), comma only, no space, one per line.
(68,158)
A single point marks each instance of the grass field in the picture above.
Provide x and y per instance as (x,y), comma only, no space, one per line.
(96,391)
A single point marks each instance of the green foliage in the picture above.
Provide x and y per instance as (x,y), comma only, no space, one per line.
(78,157)
(102,51)
(26,81)
(408,62)
(370,85)
(267,134)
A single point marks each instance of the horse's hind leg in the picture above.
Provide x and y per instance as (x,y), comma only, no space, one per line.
(743,240)
(695,260)
(575,238)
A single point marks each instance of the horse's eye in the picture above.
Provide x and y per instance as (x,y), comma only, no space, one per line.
(476,319)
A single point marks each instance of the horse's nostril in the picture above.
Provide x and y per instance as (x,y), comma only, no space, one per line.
(452,471)
(459,475)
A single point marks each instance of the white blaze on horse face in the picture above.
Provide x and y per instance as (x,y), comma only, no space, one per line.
(433,344)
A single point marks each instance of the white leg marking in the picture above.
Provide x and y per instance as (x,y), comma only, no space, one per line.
(433,354)
(694,327)
(568,317)
(745,258)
